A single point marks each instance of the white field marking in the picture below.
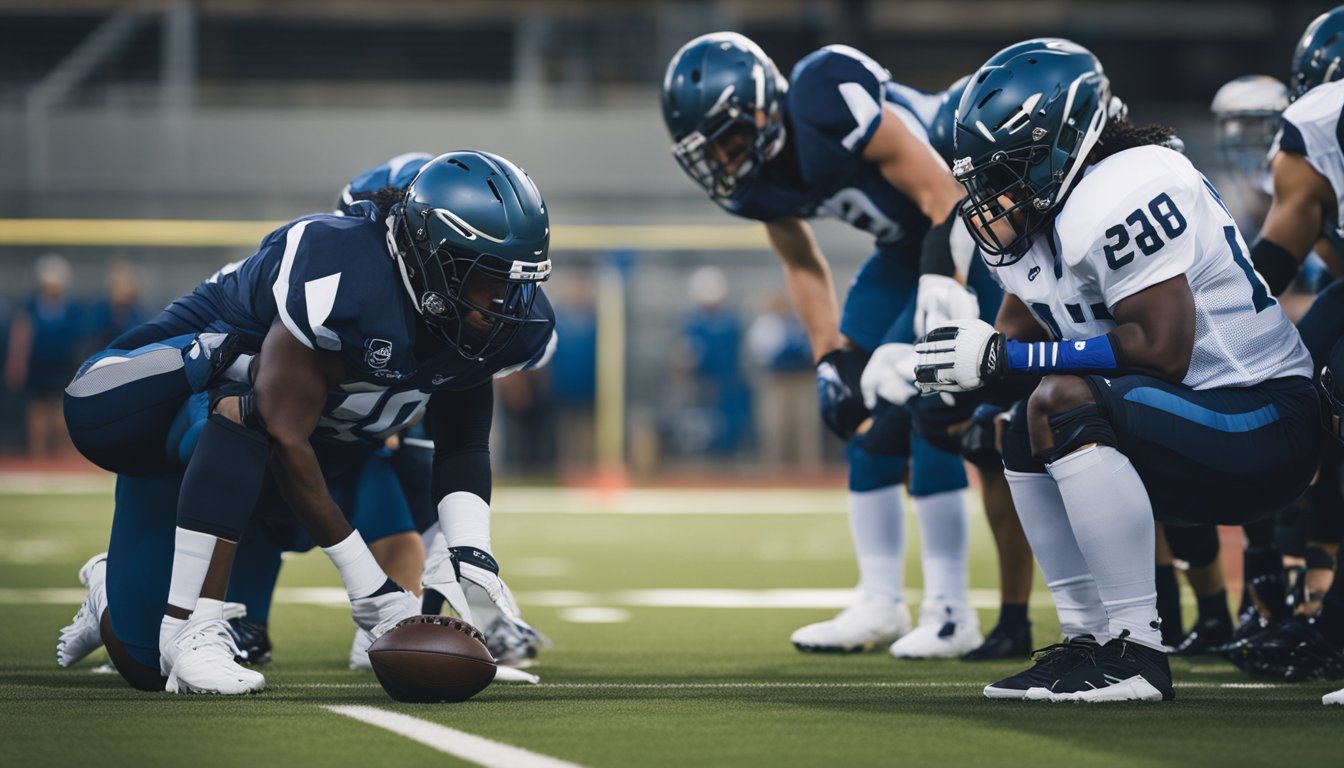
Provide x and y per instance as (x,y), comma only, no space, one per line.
(595,614)
(762,685)
(38,483)
(459,744)
(31,551)
(637,598)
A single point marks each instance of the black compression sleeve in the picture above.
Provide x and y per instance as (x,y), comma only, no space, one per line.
(459,423)
(1274,263)
(935,256)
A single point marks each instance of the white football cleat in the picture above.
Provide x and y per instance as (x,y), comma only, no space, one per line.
(82,636)
(944,632)
(871,622)
(200,659)
(1334,698)
(359,650)
(379,613)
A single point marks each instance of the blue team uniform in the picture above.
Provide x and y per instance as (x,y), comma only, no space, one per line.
(830,115)
(333,284)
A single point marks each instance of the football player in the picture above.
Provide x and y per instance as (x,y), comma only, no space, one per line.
(1308,176)
(840,139)
(1113,249)
(338,332)
(392,506)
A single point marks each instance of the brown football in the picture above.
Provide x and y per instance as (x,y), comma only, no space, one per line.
(432,658)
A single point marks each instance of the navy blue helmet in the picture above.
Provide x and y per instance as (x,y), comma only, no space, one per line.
(471,239)
(723,106)
(1025,126)
(942,132)
(1316,59)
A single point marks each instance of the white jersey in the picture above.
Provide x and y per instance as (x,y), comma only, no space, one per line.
(1311,128)
(1134,220)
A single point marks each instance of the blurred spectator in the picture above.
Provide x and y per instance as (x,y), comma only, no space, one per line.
(711,349)
(788,427)
(119,311)
(44,343)
(528,421)
(573,372)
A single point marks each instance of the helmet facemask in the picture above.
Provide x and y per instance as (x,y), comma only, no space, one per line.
(1015,192)
(728,151)
(476,302)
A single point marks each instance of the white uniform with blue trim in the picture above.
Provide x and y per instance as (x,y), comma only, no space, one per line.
(1136,219)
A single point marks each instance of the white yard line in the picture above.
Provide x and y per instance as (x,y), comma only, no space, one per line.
(465,746)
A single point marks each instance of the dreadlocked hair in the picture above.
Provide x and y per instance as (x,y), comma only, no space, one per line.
(383,198)
(1120,134)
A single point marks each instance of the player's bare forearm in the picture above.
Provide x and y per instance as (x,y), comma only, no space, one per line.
(1294,218)
(808,278)
(1155,329)
(913,167)
(1015,321)
(291,390)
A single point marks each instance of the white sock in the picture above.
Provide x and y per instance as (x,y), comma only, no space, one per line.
(359,570)
(1112,521)
(877,522)
(942,534)
(465,518)
(192,552)
(1046,525)
(207,609)
(168,629)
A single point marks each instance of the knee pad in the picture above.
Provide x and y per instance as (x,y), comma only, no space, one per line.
(1017,455)
(223,479)
(1076,428)
(1197,545)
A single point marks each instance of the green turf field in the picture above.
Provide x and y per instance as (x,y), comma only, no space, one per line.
(671,685)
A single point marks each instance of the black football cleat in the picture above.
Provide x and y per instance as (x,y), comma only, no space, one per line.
(1052,662)
(1013,642)
(1208,636)
(1293,650)
(1120,670)
(254,642)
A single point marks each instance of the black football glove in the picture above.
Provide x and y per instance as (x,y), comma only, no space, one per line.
(838,390)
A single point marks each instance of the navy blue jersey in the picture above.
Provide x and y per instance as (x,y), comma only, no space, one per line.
(332,282)
(397,172)
(831,111)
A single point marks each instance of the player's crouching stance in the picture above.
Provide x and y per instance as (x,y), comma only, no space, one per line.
(1174,386)
(256,394)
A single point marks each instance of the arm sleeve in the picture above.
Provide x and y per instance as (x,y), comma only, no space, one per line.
(459,423)
(835,105)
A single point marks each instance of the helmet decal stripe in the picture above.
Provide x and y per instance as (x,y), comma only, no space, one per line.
(460,224)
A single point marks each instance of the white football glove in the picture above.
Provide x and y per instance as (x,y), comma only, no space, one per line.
(376,615)
(511,640)
(441,575)
(890,375)
(959,357)
(940,300)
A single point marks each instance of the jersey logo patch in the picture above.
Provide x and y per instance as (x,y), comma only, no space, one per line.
(379,353)
(1032,273)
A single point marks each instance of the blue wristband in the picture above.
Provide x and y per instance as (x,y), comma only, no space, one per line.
(1094,355)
